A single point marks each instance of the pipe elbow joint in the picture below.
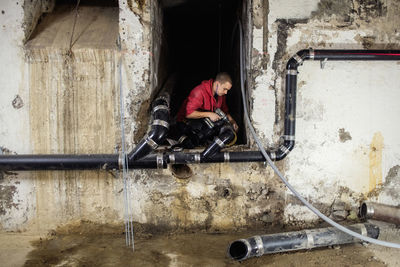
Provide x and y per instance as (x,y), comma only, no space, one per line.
(158,134)
(284,149)
(225,137)
(292,64)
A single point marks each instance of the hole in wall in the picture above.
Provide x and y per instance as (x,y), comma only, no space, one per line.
(96,24)
(199,43)
(181,171)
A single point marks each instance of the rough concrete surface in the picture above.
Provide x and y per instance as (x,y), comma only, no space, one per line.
(68,102)
(87,244)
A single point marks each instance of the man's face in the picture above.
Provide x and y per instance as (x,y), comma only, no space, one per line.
(223,88)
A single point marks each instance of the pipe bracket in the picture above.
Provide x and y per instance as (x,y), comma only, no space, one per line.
(291,72)
(272,156)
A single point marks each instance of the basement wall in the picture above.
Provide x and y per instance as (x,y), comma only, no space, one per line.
(346,149)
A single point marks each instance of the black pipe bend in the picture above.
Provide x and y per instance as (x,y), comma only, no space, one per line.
(159,129)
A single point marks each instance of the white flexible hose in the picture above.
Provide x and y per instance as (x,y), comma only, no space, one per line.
(305,202)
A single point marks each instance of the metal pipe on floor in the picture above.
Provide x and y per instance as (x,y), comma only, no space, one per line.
(380,212)
(257,246)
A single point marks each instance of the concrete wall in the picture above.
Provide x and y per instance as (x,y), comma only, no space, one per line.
(346,149)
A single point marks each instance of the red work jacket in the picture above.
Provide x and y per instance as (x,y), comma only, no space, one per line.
(201,98)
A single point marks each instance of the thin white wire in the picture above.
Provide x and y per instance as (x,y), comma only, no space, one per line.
(305,202)
(127,217)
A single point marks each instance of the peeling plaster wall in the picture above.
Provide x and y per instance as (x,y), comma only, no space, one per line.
(346,148)
(346,135)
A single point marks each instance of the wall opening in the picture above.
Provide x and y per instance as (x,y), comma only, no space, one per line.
(199,43)
(96,24)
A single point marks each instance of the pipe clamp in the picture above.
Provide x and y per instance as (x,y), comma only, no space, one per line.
(284,149)
(160,161)
(161,123)
(219,142)
(312,53)
(121,158)
(363,229)
(226,157)
(260,245)
(181,139)
(273,156)
(172,158)
(291,72)
(197,158)
(151,142)
(288,137)
(298,59)
(166,99)
(160,107)
(310,239)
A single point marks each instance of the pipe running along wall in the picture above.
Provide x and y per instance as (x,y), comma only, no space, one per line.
(257,246)
(142,156)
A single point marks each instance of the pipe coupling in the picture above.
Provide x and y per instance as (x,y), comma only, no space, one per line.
(161,123)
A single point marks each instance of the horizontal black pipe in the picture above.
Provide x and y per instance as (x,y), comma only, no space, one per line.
(380,212)
(140,157)
(59,162)
(283,242)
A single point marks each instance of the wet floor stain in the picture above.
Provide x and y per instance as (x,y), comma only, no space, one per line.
(192,249)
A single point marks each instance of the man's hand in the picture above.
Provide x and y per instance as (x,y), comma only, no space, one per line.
(233,122)
(213,116)
(235,126)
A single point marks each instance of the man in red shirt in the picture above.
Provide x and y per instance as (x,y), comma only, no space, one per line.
(205,98)
(197,118)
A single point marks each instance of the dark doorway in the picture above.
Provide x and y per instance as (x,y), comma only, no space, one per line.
(200,42)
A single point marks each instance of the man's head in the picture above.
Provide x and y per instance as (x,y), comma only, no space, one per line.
(222,84)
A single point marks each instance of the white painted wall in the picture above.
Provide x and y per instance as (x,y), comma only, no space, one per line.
(359,97)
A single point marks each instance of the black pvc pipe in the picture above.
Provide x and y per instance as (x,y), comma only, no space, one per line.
(306,239)
(140,156)
(159,129)
(380,212)
(225,137)
(59,162)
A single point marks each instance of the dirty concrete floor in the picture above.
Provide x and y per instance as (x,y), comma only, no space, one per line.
(91,247)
